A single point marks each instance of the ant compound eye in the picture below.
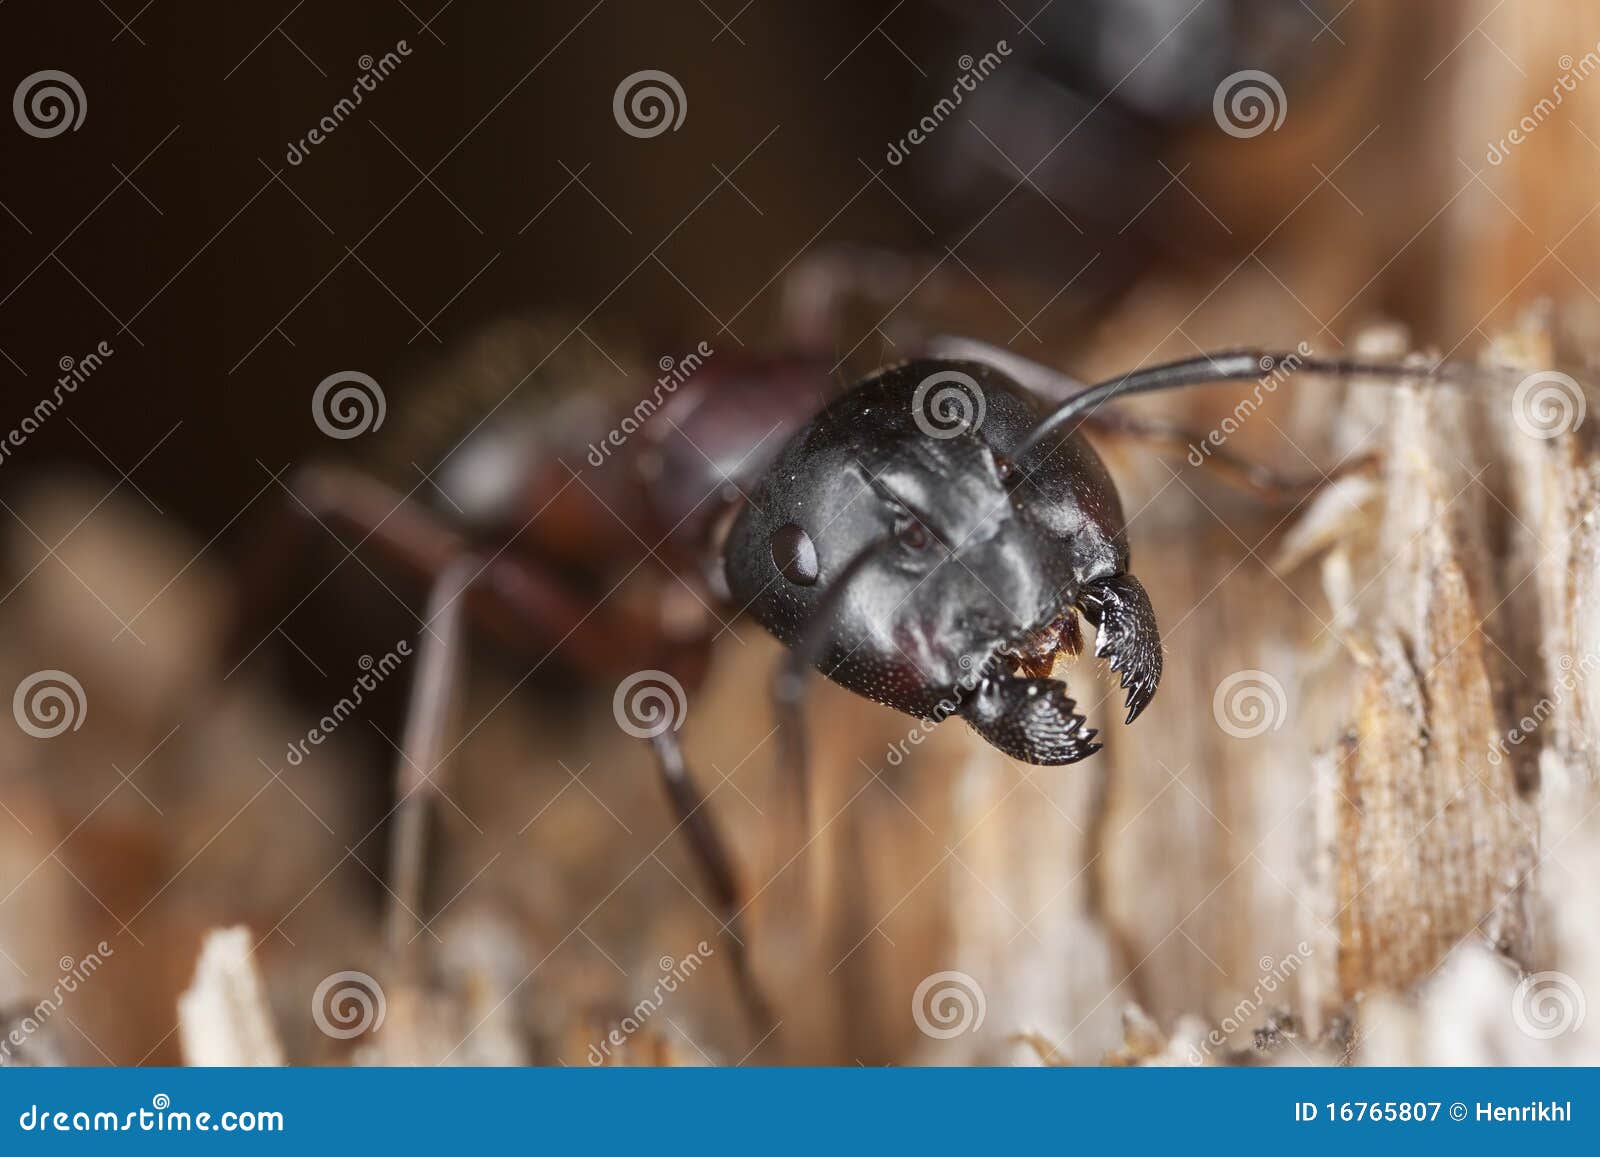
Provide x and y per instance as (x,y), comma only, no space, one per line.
(912,533)
(795,555)
(1005,467)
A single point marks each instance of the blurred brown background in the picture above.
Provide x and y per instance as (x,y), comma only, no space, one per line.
(1082,205)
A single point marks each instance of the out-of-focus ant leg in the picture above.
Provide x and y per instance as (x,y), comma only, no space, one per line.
(875,305)
(511,599)
(524,608)
(1055,387)
(1264,482)
(788,710)
(694,818)
(789,685)
(428,717)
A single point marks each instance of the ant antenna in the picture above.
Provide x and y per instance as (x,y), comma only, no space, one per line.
(1230,366)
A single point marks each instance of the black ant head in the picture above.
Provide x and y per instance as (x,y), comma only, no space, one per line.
(928,538)
(957,563)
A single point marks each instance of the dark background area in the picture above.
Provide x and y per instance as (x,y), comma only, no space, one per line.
(230,282)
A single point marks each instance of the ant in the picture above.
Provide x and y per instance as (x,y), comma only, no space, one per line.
(928,539)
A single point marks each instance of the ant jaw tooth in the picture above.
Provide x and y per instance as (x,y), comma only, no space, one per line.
(1139,695)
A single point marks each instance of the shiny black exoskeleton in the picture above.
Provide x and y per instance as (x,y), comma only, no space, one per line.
(901,540)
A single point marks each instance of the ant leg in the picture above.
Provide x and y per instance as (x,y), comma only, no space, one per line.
(833,283)
(1055,387)
(519,603)
(788,704)
(789,684)
(887,302)
(1262,481)
(524,607)
(340,501)
(693,812)
(788,709)
(427,724)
